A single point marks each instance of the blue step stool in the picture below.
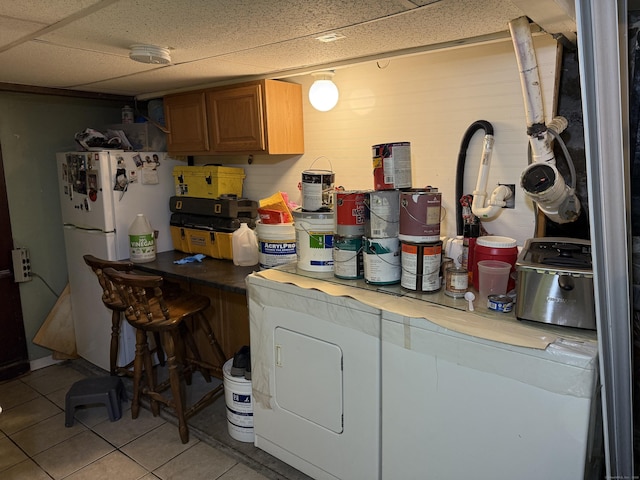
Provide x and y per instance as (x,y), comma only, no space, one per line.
(108,391)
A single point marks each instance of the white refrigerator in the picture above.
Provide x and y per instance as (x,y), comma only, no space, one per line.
(100,194)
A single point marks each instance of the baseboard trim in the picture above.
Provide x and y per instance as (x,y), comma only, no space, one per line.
(43,362)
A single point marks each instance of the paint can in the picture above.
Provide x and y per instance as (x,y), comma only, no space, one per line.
(420,216)
(276,244)
(347,257)
(421,266)
(382,213)
(314,240)
(317,189)
(392,166)
(349,213)
(382,261)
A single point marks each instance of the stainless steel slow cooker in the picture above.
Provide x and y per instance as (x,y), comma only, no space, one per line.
(555,282)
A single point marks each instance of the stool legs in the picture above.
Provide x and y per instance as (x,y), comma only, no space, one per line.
(170,341)
(115,335)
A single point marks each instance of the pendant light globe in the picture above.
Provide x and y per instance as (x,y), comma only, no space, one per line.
(323,94)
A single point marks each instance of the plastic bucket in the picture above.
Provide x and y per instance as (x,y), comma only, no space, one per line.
(276,243)
(237,396)
(314,240)
(493,247)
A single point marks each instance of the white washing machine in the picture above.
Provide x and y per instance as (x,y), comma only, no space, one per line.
(315,379)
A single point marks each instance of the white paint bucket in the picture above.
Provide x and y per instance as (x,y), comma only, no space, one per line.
(382,261)
(314,240)
(237,396)
(276,243)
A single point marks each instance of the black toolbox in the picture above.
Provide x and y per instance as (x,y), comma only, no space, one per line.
(225,206)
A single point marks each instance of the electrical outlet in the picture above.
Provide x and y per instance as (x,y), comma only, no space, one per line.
(21,264)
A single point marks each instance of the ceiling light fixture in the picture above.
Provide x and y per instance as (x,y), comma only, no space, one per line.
(150,54)
(323,94)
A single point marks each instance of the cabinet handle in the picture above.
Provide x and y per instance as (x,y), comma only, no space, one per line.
(278,356)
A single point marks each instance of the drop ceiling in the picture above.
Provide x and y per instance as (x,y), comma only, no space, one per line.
(83,45)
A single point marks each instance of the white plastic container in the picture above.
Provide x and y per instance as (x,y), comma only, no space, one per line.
(142,242)
(277,244)
(314,240)
(244,243)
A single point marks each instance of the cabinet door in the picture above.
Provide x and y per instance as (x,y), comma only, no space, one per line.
(187,122)
(236,119)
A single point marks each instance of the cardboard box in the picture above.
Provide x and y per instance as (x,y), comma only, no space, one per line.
(208,181)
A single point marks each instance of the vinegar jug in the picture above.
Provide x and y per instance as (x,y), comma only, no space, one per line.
(142,245)
(245,246)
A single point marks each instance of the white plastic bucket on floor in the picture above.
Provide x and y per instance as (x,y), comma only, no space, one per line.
(237,396)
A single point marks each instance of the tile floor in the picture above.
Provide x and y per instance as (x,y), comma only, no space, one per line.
(35,444)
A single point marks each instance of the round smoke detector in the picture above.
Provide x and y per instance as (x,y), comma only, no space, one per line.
(150,54)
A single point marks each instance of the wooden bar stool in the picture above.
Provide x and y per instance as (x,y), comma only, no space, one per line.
(111,299)
(148,310)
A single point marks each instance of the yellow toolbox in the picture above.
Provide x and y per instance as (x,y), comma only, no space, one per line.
(208,242)
(208,181)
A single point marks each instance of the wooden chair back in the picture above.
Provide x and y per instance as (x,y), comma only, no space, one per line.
(110,296)
(145,305)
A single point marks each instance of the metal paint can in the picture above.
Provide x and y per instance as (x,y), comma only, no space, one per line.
(420,215)
(500,303)
(347,257)
(421,266)
(392,165)
(382,261)
(382,213)
(317,190)
(349,213)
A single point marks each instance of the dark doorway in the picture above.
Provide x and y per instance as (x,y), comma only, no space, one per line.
(14,357)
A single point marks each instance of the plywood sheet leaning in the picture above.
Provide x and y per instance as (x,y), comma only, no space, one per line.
(57,332)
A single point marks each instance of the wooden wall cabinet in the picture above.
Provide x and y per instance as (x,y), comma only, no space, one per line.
(263,116)
(186,118)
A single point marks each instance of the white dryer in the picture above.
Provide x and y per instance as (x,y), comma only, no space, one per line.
(315,375)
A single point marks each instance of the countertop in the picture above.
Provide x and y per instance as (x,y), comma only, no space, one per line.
(222,274)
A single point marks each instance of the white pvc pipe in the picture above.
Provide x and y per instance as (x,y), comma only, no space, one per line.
(498,196)
(528,66)
(531,91)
